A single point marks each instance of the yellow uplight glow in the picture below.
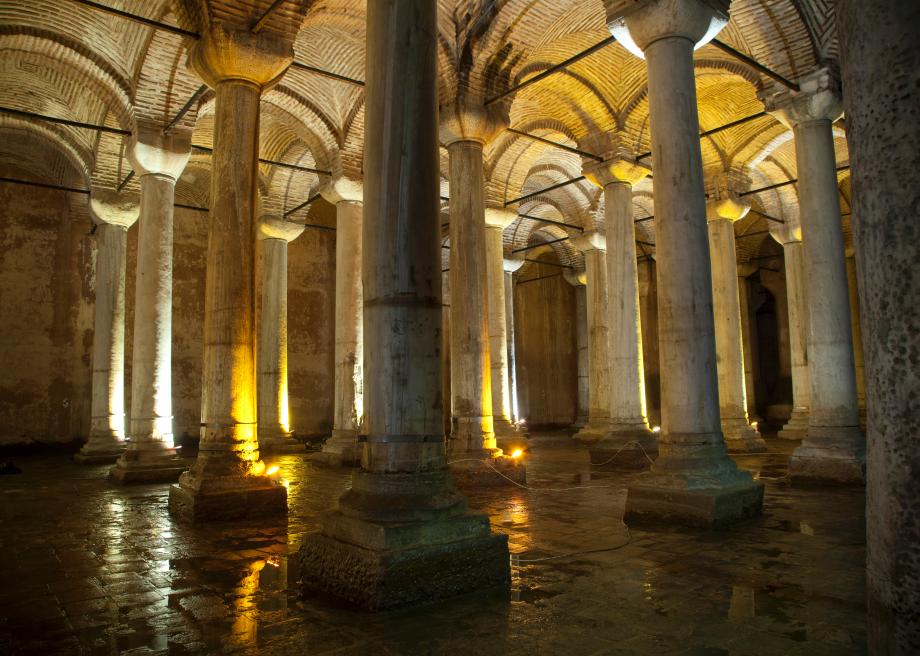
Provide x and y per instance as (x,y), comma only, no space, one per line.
(271,471)
(517,453)
(656,429)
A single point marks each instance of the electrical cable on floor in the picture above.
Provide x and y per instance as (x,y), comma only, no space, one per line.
(528,487)
(515,560)
(613,457)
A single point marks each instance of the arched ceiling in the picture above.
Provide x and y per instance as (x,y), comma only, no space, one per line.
(64,59)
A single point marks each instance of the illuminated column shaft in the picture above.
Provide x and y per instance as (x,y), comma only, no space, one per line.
(496,222)
(693,481)
(238,65)
(748,338)
(581,347)
(274,421)
(797,426)
(509,267)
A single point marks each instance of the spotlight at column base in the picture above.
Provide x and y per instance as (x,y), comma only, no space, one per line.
(381,579)
(830,455)
(489,471)
(625,450)
(701,508)
(229,499)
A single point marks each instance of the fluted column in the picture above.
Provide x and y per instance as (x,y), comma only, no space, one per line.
(723,209)
(579,281)
(112,215)
(402,532)
(796,302)
(343,448)
(274,420)
(496,222)
(834,449)
(693,481)
(594,247)
(151,456)
(228,479)
(510,266)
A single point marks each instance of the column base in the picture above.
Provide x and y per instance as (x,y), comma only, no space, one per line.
(282,446)
(342,449)
(741,437)
(580,423)
(100,451)
(627,449)
(406,564)
(485,470)
(225,498)
(797,426)
(830,455)
(134,468)
(470,435)
(593,432)
(713,507)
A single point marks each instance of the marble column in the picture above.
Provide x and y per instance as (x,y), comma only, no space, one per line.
(465,127)
(594,247)
(510,266)
(151,455)
(834,449)
(748,337)
(881,78)
(853,289)
(629,442)
(790,236)
(228,479)
(343,448)
(579,280)
(723,209)
(112,215)
(496,222)
(274,420)
(693,481)
(403,530)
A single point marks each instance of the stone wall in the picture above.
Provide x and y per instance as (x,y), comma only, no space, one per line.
(544,322)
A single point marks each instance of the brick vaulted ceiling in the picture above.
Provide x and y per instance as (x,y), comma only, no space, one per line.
(64,59)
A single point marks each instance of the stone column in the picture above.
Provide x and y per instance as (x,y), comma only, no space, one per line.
(112,215)
(881,78)
(594,247)
(496,222)
(274,421)
(228,479)
(403,529)
(791,239)
(579,281)
(510,266)
(693,481)
(748,336)
(629,442)
(834,449)
(723,209)
(151,455)
(853,289)
(342,448)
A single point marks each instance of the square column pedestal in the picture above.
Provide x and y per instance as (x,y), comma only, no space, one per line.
(381,550)
(342,449)
(197,498)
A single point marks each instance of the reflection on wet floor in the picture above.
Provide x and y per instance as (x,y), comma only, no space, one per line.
(97,569)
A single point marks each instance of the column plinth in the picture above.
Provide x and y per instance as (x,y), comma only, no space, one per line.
(274,420)
(228,481)
(723,209)
(113,214)
(343,447)
(594,247)
(693,481)
(834,449)
(151,455)
(629,442)
(403,529)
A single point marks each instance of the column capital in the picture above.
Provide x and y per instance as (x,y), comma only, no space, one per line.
(576,277)
(114,208)
(225,53)
(510,265)
(589,241)
(274,227)
(343,190)
(818,99)
(746,269)
(619,164)
(723,190)
(499,217)
(468,119)
(787,233)
(155,153)
(639,23)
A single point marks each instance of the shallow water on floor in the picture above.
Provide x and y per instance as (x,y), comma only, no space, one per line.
(92,568)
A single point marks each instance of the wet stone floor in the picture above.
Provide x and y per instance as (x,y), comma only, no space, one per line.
(92,568)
